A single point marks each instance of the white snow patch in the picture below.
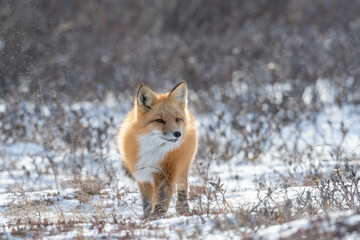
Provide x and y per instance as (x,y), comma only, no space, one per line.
(2,108)
(18,149)
(325,90)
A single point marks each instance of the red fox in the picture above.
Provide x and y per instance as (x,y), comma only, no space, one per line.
(158,142)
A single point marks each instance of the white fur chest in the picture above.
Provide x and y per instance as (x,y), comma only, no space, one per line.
(152,152)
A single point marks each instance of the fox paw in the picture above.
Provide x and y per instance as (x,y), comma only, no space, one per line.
(156,216)
(183,209)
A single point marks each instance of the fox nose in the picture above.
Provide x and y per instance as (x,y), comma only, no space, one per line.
(177,134)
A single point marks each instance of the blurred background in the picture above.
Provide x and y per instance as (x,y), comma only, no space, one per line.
(252,66)
(83,50)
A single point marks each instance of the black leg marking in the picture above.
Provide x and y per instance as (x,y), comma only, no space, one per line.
(182,204)
(182,196)
(159,209)
(146,207)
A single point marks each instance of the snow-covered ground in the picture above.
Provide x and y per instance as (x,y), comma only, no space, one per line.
(59,194)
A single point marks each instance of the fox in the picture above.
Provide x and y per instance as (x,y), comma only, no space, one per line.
(157,142)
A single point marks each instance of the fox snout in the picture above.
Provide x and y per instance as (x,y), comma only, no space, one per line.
(171,136)
(177,134)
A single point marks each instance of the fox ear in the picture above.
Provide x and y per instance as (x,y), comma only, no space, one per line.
(145,97)
(179,94)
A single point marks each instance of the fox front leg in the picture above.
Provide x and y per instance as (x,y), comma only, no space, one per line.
(162,199)
(182,203)
(146,190)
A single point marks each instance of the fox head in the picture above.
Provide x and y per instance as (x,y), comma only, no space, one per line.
(162,115)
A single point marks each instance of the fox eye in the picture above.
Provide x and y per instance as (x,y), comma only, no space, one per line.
(160,120)
(177,119)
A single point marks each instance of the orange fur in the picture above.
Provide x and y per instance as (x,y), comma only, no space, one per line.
(153,152)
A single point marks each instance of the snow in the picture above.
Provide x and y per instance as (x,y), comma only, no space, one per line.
(325,90)
(2,107)
(27,180)
(285,230)
(292,228)
(19,149)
